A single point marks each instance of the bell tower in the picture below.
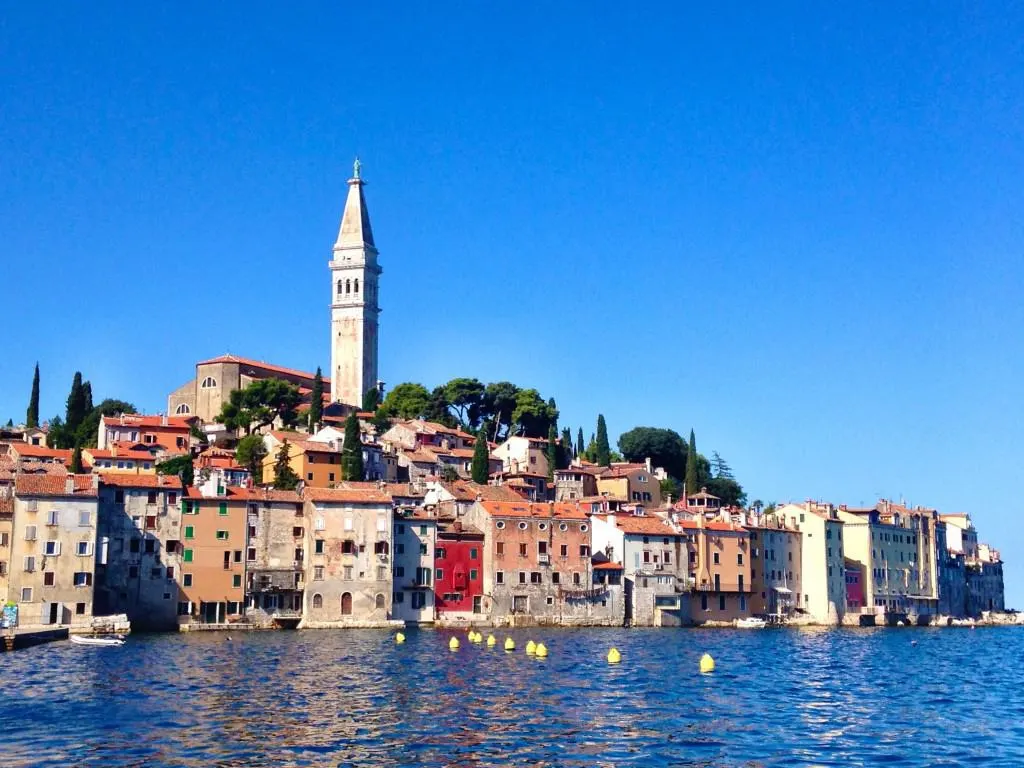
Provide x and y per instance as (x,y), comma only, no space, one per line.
(354,309)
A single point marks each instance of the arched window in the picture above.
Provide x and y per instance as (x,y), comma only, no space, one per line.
(356,289)
(346,604)
(182,409)
(209,382)
(379,602)
(318,600)
(340,286)
(348,287)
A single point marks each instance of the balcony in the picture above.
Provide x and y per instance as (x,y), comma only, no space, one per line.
(722,587)
(544,559)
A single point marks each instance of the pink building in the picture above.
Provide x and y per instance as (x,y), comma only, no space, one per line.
(854,586)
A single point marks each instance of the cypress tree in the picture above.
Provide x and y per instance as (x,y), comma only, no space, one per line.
(285,478)
(552,452)
(352,451)
(371,399)
(580,446)
(565,449)
(481,468)
(76,460)
(604,451)
(87,397)
(32,417)
(692,468)
(75,405)
(316,402)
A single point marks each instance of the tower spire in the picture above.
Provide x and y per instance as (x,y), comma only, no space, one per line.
(355,230)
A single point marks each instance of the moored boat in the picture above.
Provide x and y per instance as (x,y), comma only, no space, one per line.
(107,640)
(751,622)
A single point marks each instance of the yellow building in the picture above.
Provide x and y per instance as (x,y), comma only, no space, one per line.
(119,459)
(317,464)
(822,570)
(634,482)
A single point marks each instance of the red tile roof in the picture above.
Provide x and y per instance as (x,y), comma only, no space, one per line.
(644,526)
(26,451)
(260,364)
(6,506)
(608,567)
(350,492)
(53,485)
(465,490)
(178,423)
(528,509)
(132,480)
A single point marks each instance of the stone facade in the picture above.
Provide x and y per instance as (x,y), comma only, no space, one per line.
(415,537)
(348,571)
(6,531)
(275,554)
(574,483)
(139,549)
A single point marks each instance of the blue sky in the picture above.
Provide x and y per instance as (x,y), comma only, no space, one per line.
(798,232)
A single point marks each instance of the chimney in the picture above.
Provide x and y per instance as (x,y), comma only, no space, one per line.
(163,419)
(95,482)
(457,526)
(647,463)
(69,485)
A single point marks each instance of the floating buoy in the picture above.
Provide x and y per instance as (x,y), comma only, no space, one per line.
(453,644)
(541,651)
(707,664)
(614,657)
(399,638)
(913,642)
(478,637)
(510,644)
(531,648)
(491,641)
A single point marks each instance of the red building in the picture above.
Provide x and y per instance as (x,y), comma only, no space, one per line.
(458,569)
(854,586)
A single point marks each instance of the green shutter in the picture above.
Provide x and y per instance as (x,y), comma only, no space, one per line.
(190,532)
(236,580)
(188,555)
(223,508)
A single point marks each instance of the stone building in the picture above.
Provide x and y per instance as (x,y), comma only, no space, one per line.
(53,547)
(523,455)
(985,582)
(415,539)
(168,434)
(776,563)
(575,483)
(654,557)
(823,565)
(458,572)
(317,463)
(6,529)
(355,311)
(138,554)
(348,570)
(275,555)
(636,483)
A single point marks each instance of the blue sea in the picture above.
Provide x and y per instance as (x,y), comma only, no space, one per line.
(778,697)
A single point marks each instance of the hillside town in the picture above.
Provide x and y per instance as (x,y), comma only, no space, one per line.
(271,497)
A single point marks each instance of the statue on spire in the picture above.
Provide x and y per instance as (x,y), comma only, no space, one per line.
(356,168)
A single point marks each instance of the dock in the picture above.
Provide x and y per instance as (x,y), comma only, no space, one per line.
(26,637)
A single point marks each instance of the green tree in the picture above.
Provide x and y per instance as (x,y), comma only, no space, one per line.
(406,401)
(481,467)
(55,433)
(692,469)
(449,474)
(671,487)
(757,505)
(371,399)
(580,447)
(260,404)
(465,397)
(498,405)
(728,490)
(552,452)
(664,447)
(352,451)
(603,454)
(250,453)
(770,509)
(565,449)
(285,478)
(87,433)
(76,460)
(315,416)
(32,416)
(87,395)
(438,408)
(720,466)
(181,466)
(533,416)
(76,409)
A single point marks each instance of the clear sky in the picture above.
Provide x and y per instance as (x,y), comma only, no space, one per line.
(798,231)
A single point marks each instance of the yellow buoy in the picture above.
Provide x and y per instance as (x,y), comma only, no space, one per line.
(707,664)
(399,638)
(491,640)
(453,644)
(531,648)
(614,657)
(510,644)
(541,651)
(478,637)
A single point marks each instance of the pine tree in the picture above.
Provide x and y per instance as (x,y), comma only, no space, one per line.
(285,478)
(352,451)
(481,468)
(75,406)
(552,452)
(580,447)
(692,467)
(76,460)
(32,417)
(316,402)
(604,451)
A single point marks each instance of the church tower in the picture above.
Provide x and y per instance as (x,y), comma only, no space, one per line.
(354,309)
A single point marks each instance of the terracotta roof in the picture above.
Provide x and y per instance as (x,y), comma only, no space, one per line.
(142,420)
(518,474)
(420,456)
(404,489)
(623,470)
(524,508)
(608,567)
(465,490)
(595,499)
(260,364)
(712,525)
(447,530)
(355,493)
(24,450)
(53,485)
(644,526)
(6,505)
(132,480)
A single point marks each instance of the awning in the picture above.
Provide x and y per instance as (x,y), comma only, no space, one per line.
(783,590)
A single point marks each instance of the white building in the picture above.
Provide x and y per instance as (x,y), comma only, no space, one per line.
(415,536)
(822,568)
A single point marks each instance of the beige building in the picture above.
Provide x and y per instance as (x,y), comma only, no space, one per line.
(574,483)
(719,554)
(275,557)
(776,565)
(6,529)
(523,455)
(822,595)
(348,569)
(53,549)
(636,483)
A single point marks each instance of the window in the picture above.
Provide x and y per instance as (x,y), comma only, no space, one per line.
(500,525)
(499,577)
(150,546)
(330,477)
(522,577)
(739,558)
(151,497)
(26,594)
(156,573)
(721,602)
(564,550)
(522,550)
(715,558)
(309,476)
(522,525)
(419,600)
(379,601)
(555,578)
(318,546)
(472,553)
(84,548)
(83,579)
(576,578)
(236,580)
(222,509)
(347,572)
(423,530)
(170,573)
(51,548)
(348,547)
(423,549)
(182,409)
(222,535)
(30,533)
(535,577)
(439,574)
(563,527)
(584,550)
(440,553)
(133,571)
(233,608)
(208,383)
(187,556)
(79,609)
(584,527)
(48,579)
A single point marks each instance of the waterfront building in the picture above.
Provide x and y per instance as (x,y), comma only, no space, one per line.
(348,569)
(952,575)
(529,485)
(415,538)
(537,563)
(637,483)
(654,558)
(119,458)
(574,483)
(776,564)
(53,546)
(822,596)
(171,434)
(355,311)
(275,556)
(212,577)
(854,585)
(6,530)
(719,555)
(459,571)
(138,553)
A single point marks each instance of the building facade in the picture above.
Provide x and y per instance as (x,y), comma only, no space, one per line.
(459,572)
(719,554)
(776,564)
(415,537)
(275,555)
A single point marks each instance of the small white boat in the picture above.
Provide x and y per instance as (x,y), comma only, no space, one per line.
(751,622)
(104,640)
